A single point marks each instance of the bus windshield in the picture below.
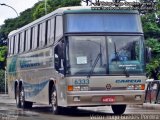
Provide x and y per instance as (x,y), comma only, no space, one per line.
(106,23)
(101,55)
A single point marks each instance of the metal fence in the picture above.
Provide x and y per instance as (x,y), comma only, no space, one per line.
(153,92)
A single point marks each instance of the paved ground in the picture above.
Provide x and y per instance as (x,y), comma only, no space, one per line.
(8,111)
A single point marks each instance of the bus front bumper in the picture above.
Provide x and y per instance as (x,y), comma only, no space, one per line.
(98,98)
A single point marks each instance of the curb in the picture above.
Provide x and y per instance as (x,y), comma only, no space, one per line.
(147,106)
(150,105)
(5,99)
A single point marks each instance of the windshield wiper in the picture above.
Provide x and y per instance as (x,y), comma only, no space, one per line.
(125,71)
(94,64)
(116,53)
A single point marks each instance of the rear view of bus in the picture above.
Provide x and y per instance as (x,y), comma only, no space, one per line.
(104,59)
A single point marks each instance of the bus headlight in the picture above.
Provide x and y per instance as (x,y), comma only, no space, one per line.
(136,87)
(84,88)
(139,87)
(78,88)
(130,87)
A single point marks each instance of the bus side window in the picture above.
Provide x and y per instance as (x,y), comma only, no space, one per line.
(58,58)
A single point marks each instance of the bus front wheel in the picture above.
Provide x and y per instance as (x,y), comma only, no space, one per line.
(118,109)
(55,108)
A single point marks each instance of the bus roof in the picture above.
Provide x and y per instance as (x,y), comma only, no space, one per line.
(63,10)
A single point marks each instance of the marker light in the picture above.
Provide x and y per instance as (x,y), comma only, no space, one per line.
(70,88)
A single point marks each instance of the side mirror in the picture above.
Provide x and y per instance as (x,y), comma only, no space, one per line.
(148,54)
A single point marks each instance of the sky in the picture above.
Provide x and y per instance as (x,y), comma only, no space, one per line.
(18,5)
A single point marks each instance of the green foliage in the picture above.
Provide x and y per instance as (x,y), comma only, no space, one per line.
(52,5)
(2,80)
(152,68)
(3,53)
(151,28)
(70,3)
(3,56)
(154,44)
(39,11)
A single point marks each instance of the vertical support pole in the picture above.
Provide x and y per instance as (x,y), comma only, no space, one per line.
(158,91)
(5,78)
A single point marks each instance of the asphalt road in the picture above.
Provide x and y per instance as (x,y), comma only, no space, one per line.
(8,111)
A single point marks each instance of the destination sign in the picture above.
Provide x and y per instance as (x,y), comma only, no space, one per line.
(125,6)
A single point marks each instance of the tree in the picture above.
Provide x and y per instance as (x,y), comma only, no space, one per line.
(2,81)
(151,30)
(52,5)
(3,56)
(153,67)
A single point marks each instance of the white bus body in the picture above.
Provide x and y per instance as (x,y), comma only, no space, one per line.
(75,57)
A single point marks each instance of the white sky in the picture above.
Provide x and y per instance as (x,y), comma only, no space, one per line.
(19,6)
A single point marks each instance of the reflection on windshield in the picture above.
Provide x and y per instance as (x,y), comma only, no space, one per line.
(125,52)
(106,23)
(83,53)
(101,55)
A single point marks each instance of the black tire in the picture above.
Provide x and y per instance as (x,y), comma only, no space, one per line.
(74,108)
(18,103)
(20,99)
(118,109)
(28,104)
(55,108)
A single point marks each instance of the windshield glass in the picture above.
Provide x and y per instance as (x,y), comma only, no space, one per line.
(106,23)
(101,55)
(126,53)
(84,52)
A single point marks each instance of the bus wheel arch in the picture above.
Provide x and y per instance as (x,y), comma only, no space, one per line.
(118,109)
(17,85)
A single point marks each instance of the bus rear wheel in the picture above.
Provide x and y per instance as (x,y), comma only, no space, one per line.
(55,108)
(20,99)
(18,103)
(118,109)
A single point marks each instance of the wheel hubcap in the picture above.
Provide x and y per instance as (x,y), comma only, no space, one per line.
(54,101)
(17,96)
(22,97)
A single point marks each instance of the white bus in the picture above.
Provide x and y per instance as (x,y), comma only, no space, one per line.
(76,56)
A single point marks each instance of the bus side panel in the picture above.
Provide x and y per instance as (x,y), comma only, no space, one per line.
(12,75)
(34,69)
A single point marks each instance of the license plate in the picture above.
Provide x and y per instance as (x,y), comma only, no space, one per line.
(108,99)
